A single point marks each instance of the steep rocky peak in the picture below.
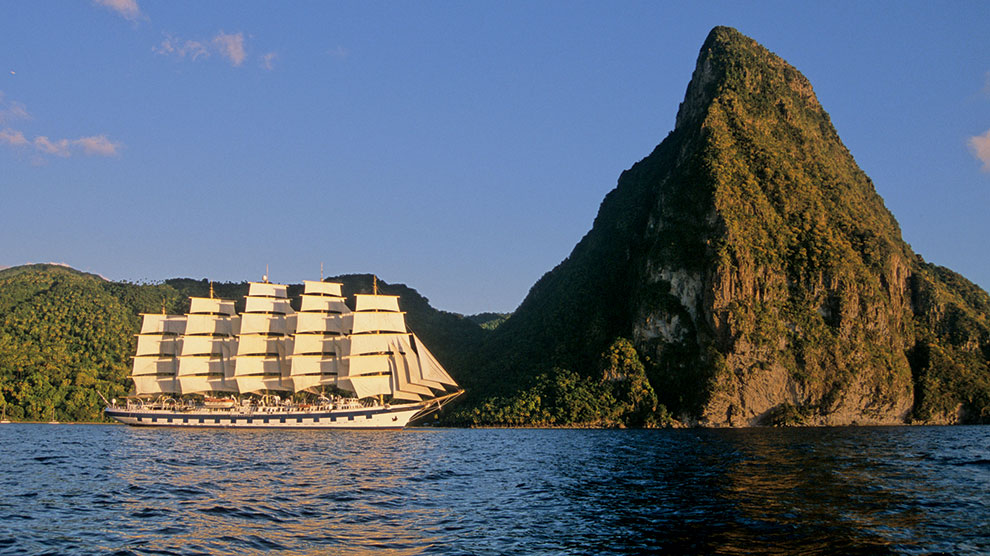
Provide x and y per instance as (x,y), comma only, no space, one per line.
(731,61)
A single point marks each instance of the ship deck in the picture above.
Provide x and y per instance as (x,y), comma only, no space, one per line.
(379,417)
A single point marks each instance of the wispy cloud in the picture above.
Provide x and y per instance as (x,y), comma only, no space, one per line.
(94,145)
(58,147)
(339,52)
(12,137)
(268,61)
(980,146)
(97,145)
(230,46)
(127,9)
(173,46)
(12,110)
(42,145)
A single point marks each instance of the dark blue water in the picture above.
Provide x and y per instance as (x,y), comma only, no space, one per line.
(80,489)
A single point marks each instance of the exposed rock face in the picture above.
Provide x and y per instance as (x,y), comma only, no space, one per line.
(758,272)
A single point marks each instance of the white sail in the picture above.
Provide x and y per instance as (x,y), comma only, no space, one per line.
(254,384)
(267,305)
(201,384)
(155,344)
(314,364)
(154,365)
(405,388)
(204,345)
(431,368)
(210,306)
(378,322)
(408,372)
(267,289)
(319,303)
(318,344)
(367,302)
(415,366)
(210,325)
(261,323)
(320,322)
(363,344)
(366,365)
(259,345)
(311,371)
(193,365)
(322,288)
(152,323)
(367,386)
(155,385)
(246,365)
(157,323)
(307,382)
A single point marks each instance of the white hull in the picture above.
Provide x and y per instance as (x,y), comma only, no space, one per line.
(388,417)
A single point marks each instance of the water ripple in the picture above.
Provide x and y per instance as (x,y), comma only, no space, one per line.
(128,491)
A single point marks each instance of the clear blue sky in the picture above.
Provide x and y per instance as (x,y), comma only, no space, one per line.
(459,147)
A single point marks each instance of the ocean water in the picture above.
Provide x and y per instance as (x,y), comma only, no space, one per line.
(87,489)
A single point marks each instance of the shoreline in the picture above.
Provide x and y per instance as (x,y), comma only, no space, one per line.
(574,427)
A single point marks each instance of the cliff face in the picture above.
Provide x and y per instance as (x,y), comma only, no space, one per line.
(803,300)
(758,273)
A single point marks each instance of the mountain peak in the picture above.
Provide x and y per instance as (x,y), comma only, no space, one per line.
(731,62)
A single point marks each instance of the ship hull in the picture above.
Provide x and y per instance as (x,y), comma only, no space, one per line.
(373,418)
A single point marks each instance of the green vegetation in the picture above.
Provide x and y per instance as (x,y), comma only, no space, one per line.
(620,397)
(64,336)
(949,360)
(489,321)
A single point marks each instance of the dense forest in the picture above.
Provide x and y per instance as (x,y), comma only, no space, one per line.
(65,337)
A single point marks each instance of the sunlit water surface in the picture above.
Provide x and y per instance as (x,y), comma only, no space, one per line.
(76,489)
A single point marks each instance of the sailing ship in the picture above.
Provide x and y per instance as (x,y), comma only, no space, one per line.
(323,366)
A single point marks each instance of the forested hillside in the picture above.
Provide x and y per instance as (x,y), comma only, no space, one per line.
(64,336)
